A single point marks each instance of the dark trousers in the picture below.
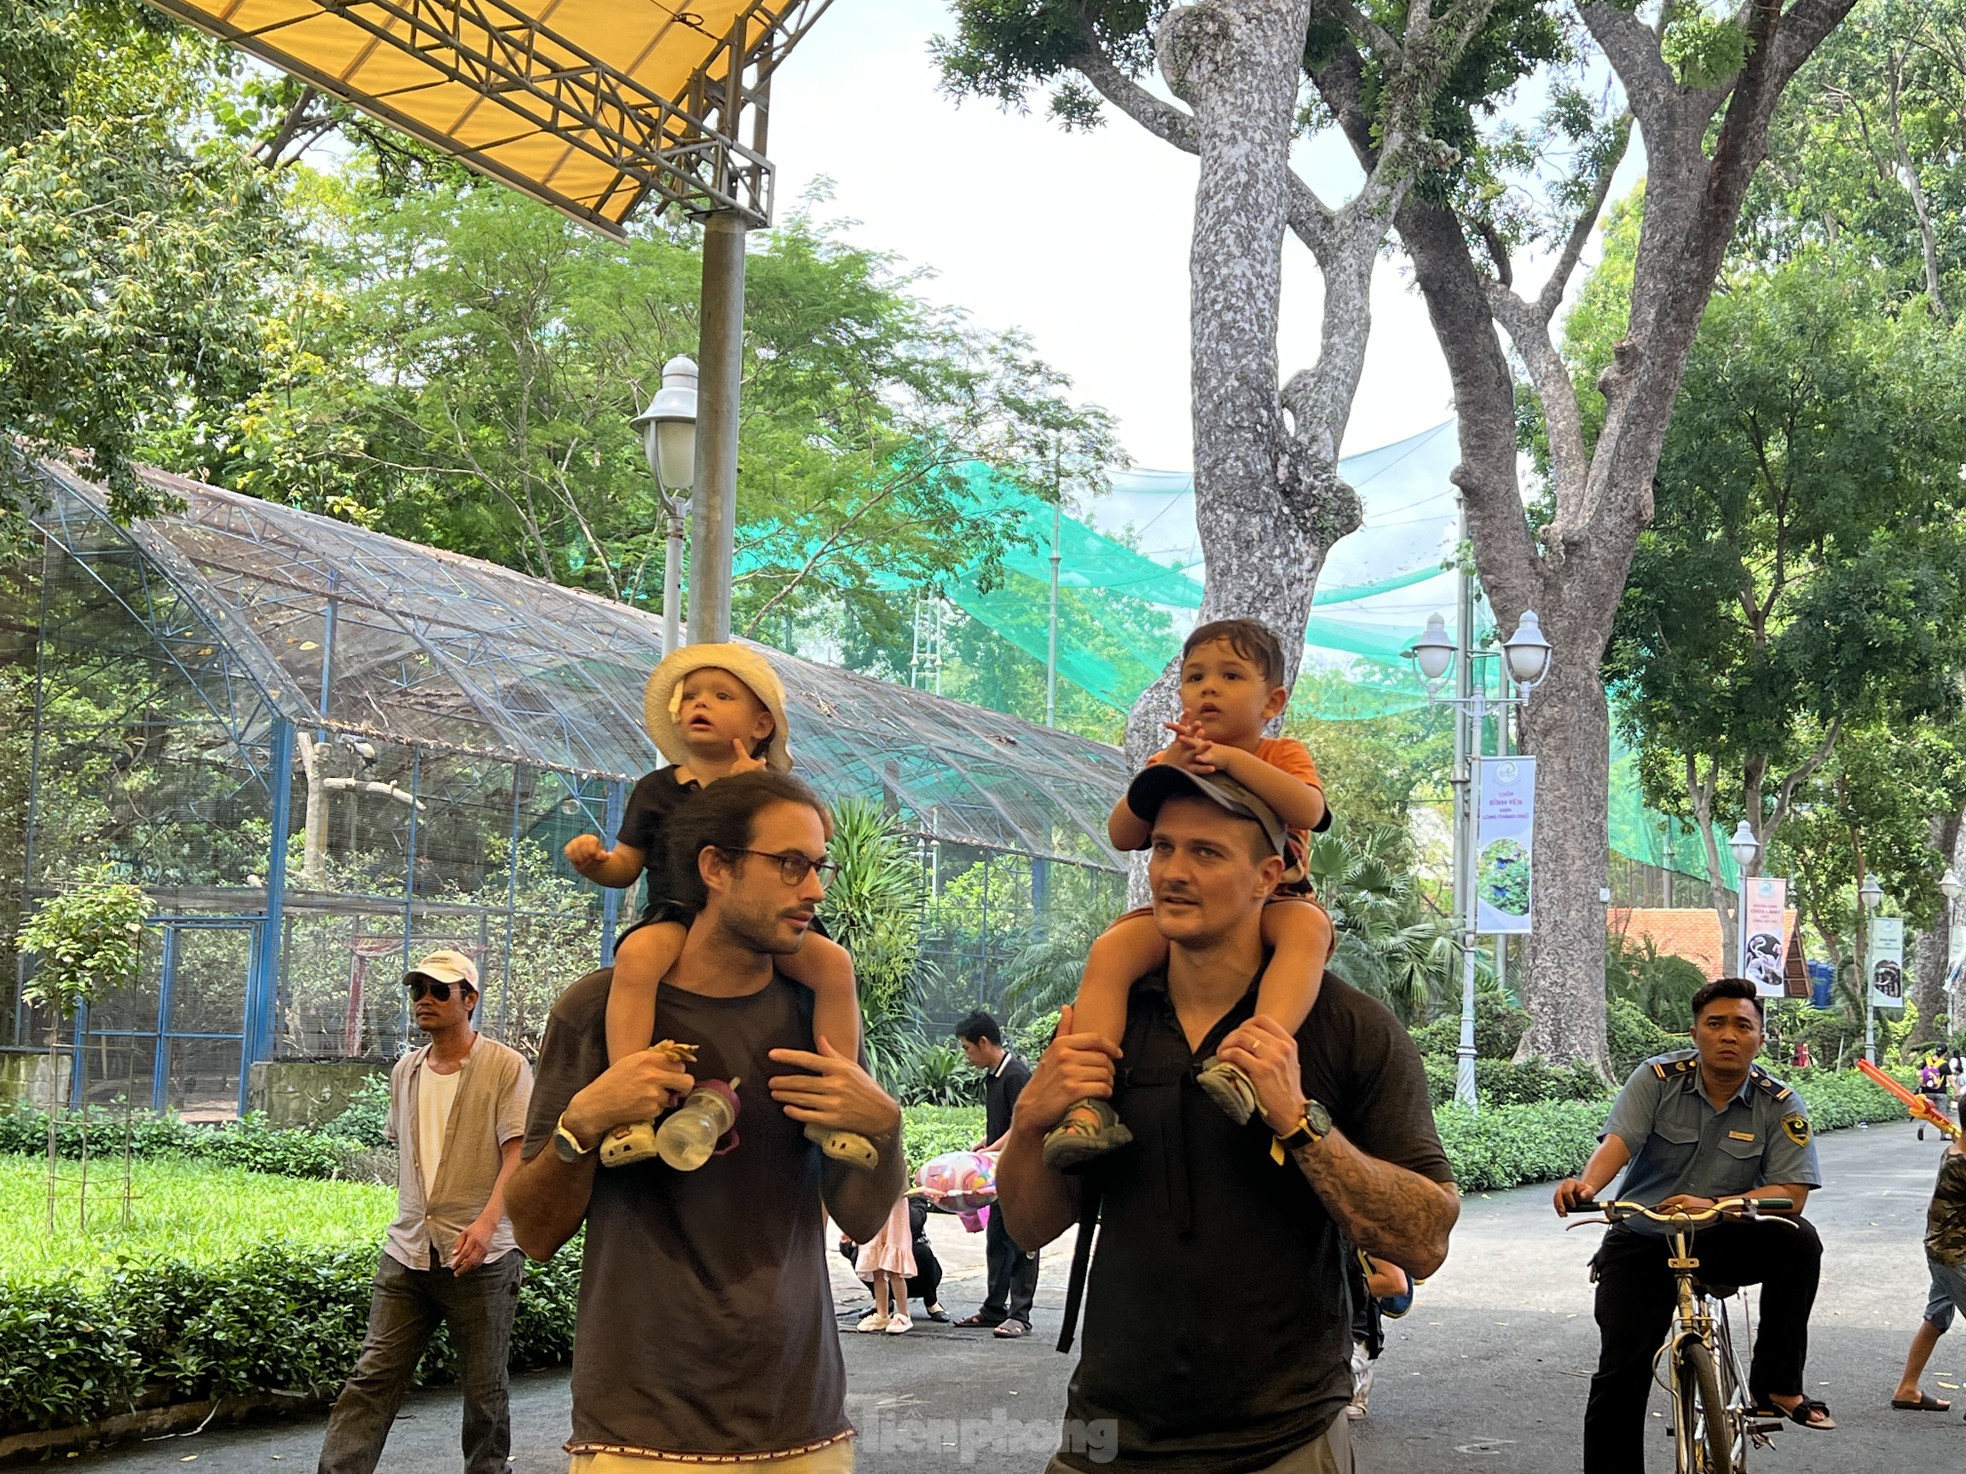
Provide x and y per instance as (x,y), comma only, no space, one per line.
(1635,1306)
(404,1314)
(1013,1274)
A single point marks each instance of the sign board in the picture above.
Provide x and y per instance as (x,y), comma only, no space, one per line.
(1764,943)
(1887,962)
(1505,822)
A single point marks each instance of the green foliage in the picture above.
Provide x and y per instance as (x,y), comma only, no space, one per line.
(249,1143)
(1044,973)
(1842,1098)
(938,1075)
(873,908)
(85,941)
(366,1119)
(1659,985)
(1509,1145)
(930,1130)
(1390,942)
(1499,1027)
(1632,1038)
(281,1315)
(1505,1082)
(1704,50)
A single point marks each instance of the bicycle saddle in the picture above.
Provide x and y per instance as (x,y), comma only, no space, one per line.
(1718,1292)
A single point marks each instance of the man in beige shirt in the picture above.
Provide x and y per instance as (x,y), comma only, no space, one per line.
(457,1113)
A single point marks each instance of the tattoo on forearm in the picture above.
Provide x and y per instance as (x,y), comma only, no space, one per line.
(1385,1210)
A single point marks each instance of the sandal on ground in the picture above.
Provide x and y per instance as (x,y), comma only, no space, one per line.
(1924,1403)
(981,1321)
(1230,1089)
(1090,1129)
(1810,1413)
(845,1146)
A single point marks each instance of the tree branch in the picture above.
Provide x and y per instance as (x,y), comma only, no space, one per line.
(1632,48)
(1551,297)
(1785,795)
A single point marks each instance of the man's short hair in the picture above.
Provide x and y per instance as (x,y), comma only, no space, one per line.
(724,816)
(1728,988)
(1255,642)
(976,1026)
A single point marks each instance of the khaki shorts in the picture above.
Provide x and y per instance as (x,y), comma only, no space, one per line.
(835,1458)
(1331,1454)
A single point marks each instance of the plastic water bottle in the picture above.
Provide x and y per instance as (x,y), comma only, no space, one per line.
(688,1136)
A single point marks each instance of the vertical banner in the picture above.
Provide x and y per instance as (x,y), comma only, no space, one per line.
(1887,962)
(1764,942)
(1505,821)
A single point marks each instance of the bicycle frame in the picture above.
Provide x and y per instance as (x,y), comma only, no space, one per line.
(1713,1424)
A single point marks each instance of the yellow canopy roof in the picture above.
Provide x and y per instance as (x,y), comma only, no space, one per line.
(589,105)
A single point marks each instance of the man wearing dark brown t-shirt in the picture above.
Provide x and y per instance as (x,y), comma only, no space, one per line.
(705,1330)
(1217,1329)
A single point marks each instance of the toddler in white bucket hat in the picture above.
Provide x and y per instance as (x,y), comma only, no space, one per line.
(714,711)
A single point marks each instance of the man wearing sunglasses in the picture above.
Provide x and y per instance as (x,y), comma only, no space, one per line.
(457,1111)
(706,1330)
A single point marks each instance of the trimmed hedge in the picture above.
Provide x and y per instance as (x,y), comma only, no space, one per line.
(1506,1146)
(249,1143)
(929,1131)
(1502,1082)
(282,1316)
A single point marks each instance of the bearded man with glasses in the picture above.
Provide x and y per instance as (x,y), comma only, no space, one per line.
(457,1110)
(706,1330)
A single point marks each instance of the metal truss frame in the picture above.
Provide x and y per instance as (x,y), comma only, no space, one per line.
(692,153)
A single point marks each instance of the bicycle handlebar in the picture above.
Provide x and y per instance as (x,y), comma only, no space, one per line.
(1617,1211)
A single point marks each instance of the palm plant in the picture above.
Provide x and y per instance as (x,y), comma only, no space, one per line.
(1044,974)
(1390,943)
(873,909)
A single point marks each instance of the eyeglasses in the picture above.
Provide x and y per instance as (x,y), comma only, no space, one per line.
(428,987)
(794,867)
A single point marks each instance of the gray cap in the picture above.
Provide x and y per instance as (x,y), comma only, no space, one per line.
(1163,781)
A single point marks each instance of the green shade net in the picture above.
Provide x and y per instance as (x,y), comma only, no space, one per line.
(1132,562)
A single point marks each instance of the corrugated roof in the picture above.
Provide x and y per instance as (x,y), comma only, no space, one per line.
(589,105)
(416,645)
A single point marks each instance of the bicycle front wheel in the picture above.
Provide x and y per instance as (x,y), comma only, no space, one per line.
(1701,1433)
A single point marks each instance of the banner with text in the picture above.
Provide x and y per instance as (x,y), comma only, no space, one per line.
(1887,962)
(1505,822)
(1764,940)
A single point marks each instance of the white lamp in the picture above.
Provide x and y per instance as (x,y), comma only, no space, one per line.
(1950,886)
(1870,893)
(1527,651)
(668,427)
(1744,845)
(1433,652)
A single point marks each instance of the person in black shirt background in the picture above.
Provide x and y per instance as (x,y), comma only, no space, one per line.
(1013,1272)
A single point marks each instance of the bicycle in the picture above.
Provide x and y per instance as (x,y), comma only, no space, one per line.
(1714,1422)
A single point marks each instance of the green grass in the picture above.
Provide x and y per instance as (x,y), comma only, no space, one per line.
(189,1211)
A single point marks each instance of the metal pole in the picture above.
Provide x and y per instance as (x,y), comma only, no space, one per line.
(1051,650)
(713,510)
(1467,713)
(672,581)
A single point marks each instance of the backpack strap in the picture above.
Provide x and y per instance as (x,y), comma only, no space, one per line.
(1081,1263)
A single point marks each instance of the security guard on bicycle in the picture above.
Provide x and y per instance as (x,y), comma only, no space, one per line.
(1698,1125)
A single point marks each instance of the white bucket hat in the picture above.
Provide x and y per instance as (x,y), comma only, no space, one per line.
(663,699)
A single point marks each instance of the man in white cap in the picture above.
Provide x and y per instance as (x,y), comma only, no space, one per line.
(457,1113)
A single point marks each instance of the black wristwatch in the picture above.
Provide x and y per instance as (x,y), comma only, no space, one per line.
(1313,1126)
(567,1144)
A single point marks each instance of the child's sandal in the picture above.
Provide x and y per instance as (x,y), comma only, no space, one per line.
(1230,1089)
(1090,1129)
(845,1146)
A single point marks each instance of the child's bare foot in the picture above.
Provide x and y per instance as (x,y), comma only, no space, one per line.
(1230,1089)
(636,1142)
(845,1146)
(1090,1129)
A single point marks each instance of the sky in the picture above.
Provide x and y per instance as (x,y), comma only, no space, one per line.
(1081,240)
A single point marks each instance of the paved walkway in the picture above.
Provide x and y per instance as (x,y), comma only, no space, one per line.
(1489,1371)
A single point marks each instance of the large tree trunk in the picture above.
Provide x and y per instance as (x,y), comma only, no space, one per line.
(1933,948)
(1269,501)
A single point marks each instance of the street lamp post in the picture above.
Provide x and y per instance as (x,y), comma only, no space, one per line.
(1951,888)
(1526,657)
(668,431)
(1745,849)
(1871,894)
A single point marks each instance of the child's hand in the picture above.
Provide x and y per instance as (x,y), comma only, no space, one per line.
(585,852)
(1190,748)
(743,762)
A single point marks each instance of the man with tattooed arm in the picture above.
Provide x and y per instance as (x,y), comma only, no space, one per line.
(1217,1333)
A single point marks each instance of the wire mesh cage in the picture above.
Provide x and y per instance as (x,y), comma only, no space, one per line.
(323,751)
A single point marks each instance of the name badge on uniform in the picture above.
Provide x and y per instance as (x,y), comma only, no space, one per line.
(1740,1136)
